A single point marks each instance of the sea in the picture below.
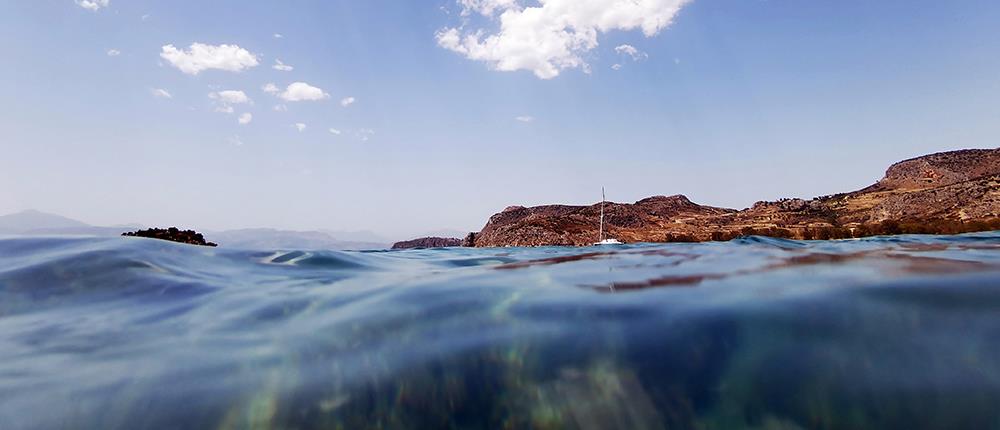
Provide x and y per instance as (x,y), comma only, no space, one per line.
(757,333)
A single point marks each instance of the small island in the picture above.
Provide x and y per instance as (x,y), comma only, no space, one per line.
(428,242)
(172,234)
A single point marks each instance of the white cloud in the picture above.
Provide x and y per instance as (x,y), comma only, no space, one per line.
(144,17)
(93,4)
(245,118)
(200,57)
(270,88)
(281,108)
(279,36)
(225,109)
(278,65)
(335,132)
(554,35)
(161,93)
(300,127)
(236,141)
(631,51)
(114,52)
(616,66)
(347,101)
(525,118)
(230,97)
(301,91)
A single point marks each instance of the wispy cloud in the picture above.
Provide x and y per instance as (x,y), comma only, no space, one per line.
(631,51)
(226,99)
(485,7)
(114,52)
(525,118)
(347,101)
(300,126)
(278,65)
(270,88)
(232,97)
(245,119)
(161,93)
(365,134)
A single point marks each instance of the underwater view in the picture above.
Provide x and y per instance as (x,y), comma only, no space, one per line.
(883,332)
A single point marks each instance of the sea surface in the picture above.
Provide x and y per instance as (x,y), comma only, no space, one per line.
(130,333)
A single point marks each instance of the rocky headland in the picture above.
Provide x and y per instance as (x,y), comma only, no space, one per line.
(172,234)
(944,193)
(428,242)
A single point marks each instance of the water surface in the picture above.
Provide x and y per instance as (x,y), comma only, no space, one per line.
(129,333)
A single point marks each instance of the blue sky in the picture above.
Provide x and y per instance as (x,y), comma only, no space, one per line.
(732,102)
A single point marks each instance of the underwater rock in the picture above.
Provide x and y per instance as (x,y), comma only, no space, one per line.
(172,234)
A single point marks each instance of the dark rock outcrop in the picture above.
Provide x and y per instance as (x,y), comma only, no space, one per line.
(470,240)
(428,242)
(946,192)
(172,234)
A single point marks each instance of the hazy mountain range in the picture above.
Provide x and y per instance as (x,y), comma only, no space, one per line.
(32,222)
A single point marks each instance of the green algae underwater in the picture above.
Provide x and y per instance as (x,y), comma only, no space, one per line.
(759,333)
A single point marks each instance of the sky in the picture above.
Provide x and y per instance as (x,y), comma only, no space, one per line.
(404,117)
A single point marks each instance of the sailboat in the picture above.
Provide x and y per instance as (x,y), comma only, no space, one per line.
(601,239)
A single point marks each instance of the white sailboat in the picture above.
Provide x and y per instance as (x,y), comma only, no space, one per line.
(601,239)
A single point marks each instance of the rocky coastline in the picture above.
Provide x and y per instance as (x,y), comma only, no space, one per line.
(944,193)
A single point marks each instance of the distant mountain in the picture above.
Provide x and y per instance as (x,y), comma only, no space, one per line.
(32,221)
(360,236)
(89,230)
(265,238)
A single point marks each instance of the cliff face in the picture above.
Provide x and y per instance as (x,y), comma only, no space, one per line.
(953,187)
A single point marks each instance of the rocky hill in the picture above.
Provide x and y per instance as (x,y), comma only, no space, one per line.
(948,192)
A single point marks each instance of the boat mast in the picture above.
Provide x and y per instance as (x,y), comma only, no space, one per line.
(600,238)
